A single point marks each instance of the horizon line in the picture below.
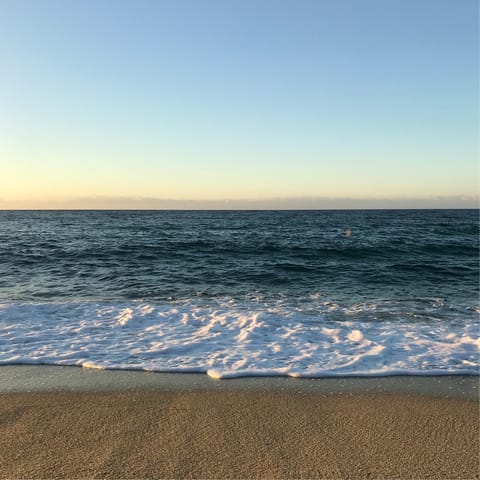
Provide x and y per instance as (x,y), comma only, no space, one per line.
(226,209)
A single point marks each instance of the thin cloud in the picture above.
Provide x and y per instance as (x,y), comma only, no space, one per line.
(299,203)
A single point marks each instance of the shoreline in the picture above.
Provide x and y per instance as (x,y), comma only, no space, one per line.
(53,378)
(72,422)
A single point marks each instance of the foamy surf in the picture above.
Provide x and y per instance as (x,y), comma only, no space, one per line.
(225,338)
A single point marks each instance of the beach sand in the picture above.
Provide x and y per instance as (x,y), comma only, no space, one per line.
(237,434)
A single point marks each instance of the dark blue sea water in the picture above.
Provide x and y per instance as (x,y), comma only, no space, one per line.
(178,254)
(257,274)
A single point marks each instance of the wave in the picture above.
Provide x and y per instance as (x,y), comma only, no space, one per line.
(226,337)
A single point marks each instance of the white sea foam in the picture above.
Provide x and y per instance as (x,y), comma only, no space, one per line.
(227,339)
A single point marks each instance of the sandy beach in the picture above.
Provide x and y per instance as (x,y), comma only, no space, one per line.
(237,433)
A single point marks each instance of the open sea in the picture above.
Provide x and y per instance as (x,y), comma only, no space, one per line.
(240,293)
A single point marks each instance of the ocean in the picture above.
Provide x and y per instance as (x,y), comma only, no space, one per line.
(242,293)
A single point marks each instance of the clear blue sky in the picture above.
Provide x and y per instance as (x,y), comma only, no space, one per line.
(129,101)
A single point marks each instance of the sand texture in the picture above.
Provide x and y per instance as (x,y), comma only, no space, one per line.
(236,435)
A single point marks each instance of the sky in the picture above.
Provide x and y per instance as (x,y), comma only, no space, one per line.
(239,103)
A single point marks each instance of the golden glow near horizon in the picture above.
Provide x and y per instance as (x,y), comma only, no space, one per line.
(27,182)
(64,186)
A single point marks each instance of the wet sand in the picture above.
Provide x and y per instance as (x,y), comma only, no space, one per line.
(239,433)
